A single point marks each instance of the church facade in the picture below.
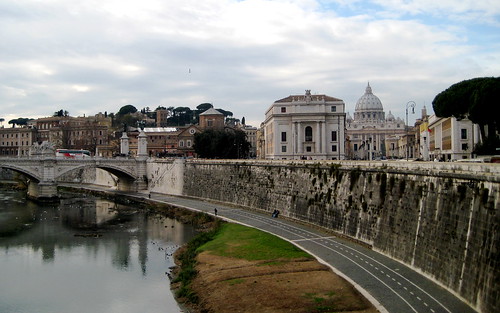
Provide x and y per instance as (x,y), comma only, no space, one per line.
(305,127)
(372,135)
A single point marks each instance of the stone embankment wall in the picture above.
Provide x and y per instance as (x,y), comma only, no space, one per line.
(440,218)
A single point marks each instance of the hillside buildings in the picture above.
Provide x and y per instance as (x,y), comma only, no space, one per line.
(307,126)
(88,133)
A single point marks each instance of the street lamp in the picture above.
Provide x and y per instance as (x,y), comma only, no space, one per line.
(410,104)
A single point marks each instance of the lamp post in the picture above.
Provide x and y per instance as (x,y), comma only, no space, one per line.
(410,104)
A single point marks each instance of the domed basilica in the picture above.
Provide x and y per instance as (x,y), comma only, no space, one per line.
(370,134)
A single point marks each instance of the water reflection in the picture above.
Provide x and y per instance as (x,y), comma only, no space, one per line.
(102,251)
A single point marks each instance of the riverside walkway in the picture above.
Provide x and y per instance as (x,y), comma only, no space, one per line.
(390,285)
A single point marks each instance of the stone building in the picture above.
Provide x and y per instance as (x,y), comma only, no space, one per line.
(451,139)
(211,119)
(161,141)
(185,140)
(16,141)
(251,135)
(305,127)
(90,133)
(372,135)
(161,117)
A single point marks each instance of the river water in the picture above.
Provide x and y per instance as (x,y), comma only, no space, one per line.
(85,255)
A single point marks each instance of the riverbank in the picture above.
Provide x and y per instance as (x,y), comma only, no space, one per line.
(241,269)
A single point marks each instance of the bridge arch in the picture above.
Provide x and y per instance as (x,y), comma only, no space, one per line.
(126,178)
(26,172)
(115,170)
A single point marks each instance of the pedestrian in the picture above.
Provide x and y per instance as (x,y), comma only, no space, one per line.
(215,211)
(149,195)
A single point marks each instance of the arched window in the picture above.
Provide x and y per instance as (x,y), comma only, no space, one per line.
(309,133)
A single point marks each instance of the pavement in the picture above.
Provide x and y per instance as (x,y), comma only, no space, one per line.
(390,285)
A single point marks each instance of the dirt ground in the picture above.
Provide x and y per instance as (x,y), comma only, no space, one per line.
(299,286)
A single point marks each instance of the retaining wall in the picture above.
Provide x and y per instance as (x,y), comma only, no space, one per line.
(440,218)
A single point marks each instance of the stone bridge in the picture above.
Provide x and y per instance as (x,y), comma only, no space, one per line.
(44,173)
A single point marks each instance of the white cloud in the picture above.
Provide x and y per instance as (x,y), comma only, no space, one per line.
(80,88)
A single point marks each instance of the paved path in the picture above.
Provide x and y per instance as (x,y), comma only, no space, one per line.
(390,285)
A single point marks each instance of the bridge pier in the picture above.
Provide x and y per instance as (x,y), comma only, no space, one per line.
(126,185)
(42,191)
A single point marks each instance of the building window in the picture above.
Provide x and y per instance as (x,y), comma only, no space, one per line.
(465,146)
(181,143)
(355,147)
(464,133)
(283,148)
(283,136)
(189,143)
(210,123)
(334,135)
(334,148)
(308,149)
(283,109)
(309,133)
(333,108)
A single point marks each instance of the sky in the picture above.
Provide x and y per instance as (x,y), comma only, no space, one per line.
(94,56)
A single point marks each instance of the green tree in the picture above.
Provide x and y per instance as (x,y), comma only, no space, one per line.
(125,116)
(227,114)
(61,113)
(204,106)
(180,116)
(477,100)
(221,144)
(127,109)
(21,121)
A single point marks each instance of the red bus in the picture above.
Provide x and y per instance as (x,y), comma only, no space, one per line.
(72,153)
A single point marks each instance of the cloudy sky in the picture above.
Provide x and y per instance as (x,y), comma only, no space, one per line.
(98,55)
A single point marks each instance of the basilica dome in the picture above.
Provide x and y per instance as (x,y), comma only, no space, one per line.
(369,107)
(369,101)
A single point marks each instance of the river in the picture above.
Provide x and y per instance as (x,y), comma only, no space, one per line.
(85,255)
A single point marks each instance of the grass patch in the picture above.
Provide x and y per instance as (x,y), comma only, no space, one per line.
(235,281)
(237,241)
(322,303)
